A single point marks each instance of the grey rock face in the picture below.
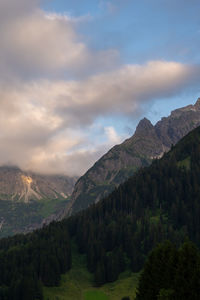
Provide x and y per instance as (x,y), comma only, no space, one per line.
(29,200)
(20,186)
(147,143)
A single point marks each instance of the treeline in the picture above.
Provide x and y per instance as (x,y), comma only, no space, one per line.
(158,203)
(171,274)
(27,262)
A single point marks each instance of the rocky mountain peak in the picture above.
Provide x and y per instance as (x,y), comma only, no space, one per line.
(197,104)
(144,126)
(148,142)
(177,113)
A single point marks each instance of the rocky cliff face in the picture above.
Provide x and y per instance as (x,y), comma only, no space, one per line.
(28,200)
(19,186)
(147,143)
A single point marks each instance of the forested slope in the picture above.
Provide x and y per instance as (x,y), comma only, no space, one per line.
(158,203)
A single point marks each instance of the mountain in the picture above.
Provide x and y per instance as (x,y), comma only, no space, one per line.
(118,164)
(160,202)
(21,186)
(27,199)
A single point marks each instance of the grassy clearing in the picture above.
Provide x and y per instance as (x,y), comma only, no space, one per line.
(77,284)
(186,163)
(125,286)
(97,295)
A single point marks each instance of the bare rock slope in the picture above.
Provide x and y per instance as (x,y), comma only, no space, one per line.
(20,186)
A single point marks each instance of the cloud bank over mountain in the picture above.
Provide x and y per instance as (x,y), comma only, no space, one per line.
(53,88)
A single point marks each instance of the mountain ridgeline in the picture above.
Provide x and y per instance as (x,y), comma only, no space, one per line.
(160,202)
(122,161)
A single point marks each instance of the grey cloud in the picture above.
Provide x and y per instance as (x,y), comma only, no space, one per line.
(16,8)
(47,124)
(44,123)
(124,90)
(34,43)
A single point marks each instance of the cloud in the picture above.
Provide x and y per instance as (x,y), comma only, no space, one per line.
(53,88)
(16,8)
(122,91)
(36,43)
(112,135)
(47,126)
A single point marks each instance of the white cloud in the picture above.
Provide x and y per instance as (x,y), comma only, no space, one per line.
(44,123)
(47,122)
(112,135)
(35,43)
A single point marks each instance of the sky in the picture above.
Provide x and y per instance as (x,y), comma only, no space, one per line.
(77,76)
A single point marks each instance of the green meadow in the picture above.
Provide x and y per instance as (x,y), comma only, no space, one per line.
(98,295)
(77,284)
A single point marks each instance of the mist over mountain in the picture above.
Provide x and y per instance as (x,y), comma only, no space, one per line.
(22,186)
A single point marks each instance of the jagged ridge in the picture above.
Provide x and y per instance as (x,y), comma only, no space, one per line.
(147,143)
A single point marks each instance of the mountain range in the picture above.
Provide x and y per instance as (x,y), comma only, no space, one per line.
(148,143)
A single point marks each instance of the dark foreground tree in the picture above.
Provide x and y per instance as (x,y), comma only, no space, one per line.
(171,274)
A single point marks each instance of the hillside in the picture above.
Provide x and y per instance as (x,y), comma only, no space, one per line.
(26,198)
(122,161)
(159,202)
